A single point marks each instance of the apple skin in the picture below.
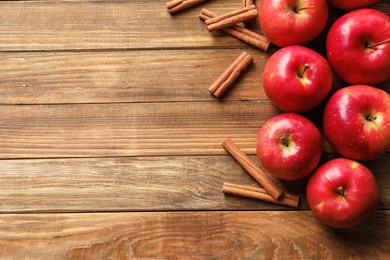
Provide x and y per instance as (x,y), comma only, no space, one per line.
(290,91)
(342,193)
(348,5)
(356,122)
(289,146)
(348,51)
(284,24)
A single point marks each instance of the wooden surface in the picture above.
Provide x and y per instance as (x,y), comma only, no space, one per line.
(111,142)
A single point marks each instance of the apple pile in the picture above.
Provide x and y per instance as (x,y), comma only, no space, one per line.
(356,118)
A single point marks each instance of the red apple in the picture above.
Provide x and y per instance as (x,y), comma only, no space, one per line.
(357,122)
(289,146)
(342,193)
(296,79)
(358,47)
(348,5)
(288,22)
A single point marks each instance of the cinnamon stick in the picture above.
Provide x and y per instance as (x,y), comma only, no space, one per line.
(286,199)
(246,3)
(226,79)
(241,33)
(178,5)
(260,176)
(231,18)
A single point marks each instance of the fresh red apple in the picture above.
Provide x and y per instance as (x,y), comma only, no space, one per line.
(342,193)
(289,146)
(358,47)
(357,122)
(348,5)
(296,79)
(288,22)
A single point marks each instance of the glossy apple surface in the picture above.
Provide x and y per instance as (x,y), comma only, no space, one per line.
(342,193)
(288,22)
(357,122)
(358,47)
(348,5)
(296,79)
(289,146)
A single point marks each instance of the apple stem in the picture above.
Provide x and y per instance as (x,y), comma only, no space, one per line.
(303,8)
(341,191)
(305,67)
(378,43)
(371,118)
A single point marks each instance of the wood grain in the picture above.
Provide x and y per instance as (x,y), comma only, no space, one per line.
(142,184)
(136,129)
(99,25)
(117,77)
(133,129)
(128,25)
(207,235)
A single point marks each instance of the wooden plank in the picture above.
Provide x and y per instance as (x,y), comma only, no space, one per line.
(114,77)
(97,25)
(122,184)
(136,129)
(136,76)
(133,129)
(142,184)
(198,235)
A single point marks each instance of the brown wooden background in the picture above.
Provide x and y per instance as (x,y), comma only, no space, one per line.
(110,142)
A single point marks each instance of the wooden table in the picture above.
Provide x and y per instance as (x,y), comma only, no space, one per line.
(111,142)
